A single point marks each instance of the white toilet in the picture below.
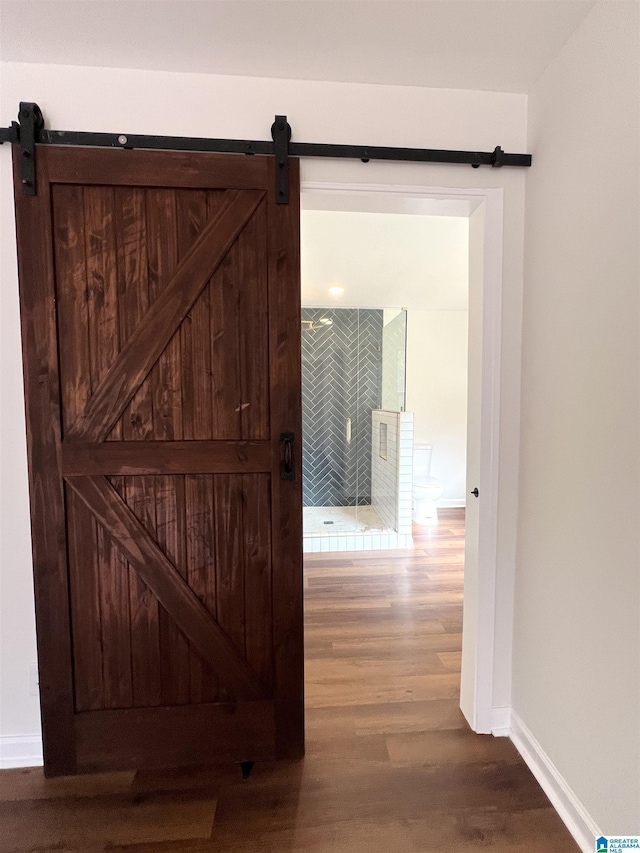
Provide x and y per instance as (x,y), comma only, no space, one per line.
(426,489)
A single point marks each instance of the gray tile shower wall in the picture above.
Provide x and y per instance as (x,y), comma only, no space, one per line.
(341,379)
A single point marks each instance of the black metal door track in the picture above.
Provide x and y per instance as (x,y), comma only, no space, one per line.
(29,131)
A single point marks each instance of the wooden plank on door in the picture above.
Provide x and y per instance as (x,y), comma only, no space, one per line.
(195,340)
(104,336)
(195,352)
(146,661)
(209,734)
(285,366)
(256,490)
(165,386)
(43,416)
(168,457)
(75,382)
(136,425)
(201,562)
(162,248)
(84,582)
(154,168)
(253,329)
(73,316)
(225,350)
(133,297)
(230,591)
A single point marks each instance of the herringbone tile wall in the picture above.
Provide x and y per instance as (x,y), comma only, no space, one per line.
(341,379)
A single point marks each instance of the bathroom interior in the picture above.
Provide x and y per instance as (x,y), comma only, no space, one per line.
(384,371)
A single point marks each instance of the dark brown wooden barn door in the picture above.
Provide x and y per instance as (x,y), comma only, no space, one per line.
(161,341)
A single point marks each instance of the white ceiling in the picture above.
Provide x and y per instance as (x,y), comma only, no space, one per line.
(384,260)
(492,45)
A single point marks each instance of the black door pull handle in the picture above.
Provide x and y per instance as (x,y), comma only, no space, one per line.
(475,492)
(287,472)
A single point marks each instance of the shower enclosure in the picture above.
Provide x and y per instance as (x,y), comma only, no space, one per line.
(353,364)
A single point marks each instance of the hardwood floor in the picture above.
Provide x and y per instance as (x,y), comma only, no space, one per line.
(391,766)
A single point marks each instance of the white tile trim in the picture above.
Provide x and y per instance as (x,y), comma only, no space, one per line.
(574,815)
(24,751)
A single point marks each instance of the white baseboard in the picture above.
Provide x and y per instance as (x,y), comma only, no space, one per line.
(576,818)
(501,722)
(451,503)
(24,751)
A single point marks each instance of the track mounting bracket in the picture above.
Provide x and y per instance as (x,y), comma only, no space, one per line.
(31,123)
(281,134)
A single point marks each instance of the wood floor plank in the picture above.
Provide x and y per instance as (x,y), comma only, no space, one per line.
(406,647)
(90,823)
(461,746)
(29,783)
(404,688)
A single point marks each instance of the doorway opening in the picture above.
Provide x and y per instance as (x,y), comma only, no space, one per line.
(328,277)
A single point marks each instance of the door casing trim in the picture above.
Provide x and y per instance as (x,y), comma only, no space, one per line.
(478,642)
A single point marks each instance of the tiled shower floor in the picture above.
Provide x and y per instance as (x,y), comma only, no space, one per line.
(324,520)
(348,528)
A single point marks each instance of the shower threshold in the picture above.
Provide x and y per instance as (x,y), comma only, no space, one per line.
(349,528)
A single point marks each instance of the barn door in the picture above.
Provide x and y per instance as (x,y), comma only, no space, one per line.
(161,342)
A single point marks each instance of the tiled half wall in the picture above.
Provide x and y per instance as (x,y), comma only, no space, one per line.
(392,468)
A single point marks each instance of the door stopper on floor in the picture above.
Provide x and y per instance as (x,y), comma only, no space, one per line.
(245,768)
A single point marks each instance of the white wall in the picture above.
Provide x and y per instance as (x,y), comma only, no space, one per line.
(437,394)
(576,665)
(124,101)
(384,259)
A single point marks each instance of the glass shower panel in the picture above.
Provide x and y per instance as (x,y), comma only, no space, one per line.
(382,362)
(394,359)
